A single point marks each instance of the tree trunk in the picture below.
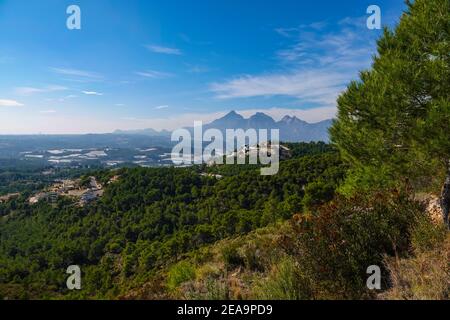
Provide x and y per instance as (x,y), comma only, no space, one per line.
(445,198)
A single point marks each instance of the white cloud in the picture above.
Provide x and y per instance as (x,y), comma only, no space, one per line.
(161,107)
(27,90)
(70,96)
(320,65)
(351,45)
(153,74)
(92,93)
(292,31)
(197,69)
(47,111)
(317,86)
(354,21)
(33,90)
(319,25)
(10,103)
(77,73)
(164,50)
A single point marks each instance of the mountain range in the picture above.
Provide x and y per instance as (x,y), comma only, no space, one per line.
(292,129)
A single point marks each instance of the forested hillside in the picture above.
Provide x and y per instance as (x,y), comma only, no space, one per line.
(391,211)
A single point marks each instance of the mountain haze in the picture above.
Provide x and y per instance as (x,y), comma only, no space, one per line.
(292,129)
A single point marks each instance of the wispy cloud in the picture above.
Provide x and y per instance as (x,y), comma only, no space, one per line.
(317,86)
(70,96)
(77,73)
(293,31)
(153,74)
(161,107)
(315,68)
(33,90)
(354,21)
(197,69)
(164,50)
(92,93)
(10,103)
(188,40)
(349,47)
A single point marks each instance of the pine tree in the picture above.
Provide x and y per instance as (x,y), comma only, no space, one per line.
(394,123)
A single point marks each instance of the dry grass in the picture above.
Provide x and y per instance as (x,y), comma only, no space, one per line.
(426,276)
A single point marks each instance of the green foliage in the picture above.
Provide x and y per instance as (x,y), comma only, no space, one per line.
(426,235)
(394,123)
(150,218)
(27,176)
(337,244)
(317,193)
(213,289)
(231,256)
(392,130)
(303,149)
(285,282)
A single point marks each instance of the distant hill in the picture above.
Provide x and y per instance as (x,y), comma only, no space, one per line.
(292,129)
(146,132)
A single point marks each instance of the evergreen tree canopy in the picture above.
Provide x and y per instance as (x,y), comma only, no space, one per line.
(395,121)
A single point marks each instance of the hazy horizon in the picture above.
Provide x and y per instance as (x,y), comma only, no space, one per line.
(275,114)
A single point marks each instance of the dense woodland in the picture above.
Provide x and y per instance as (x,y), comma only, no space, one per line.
(150,217)
(26,177)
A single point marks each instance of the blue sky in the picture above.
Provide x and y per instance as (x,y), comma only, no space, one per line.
(164,64)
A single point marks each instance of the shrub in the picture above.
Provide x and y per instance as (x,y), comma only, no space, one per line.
(425,235)
(317,193)
(285,282)
(252,257)
(208,289)
(231,256)
(208,271)
(343,238)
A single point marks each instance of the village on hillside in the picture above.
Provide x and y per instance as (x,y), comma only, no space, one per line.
(84,193)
